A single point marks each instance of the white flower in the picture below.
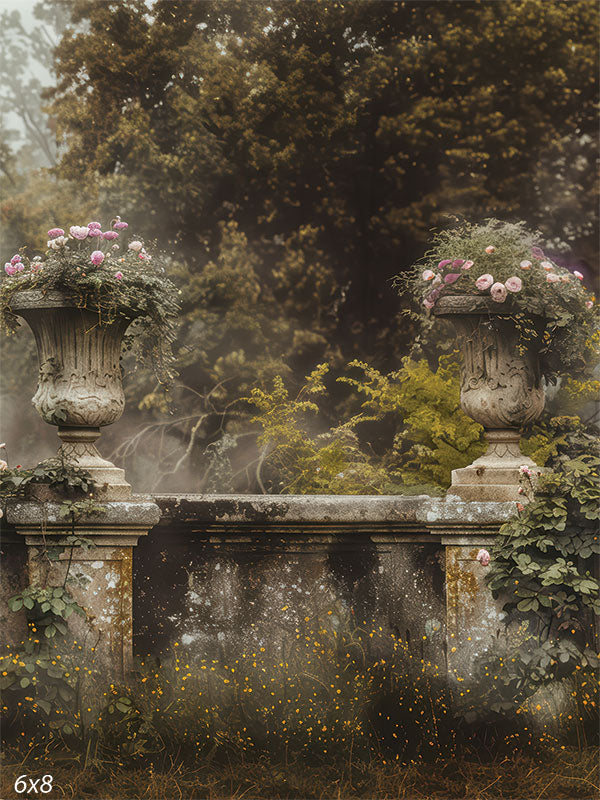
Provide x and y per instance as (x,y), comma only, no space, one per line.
(135,246)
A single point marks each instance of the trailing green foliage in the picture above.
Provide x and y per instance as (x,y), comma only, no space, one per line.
(55,473)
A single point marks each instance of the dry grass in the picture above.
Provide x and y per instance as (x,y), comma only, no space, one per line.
(572,774)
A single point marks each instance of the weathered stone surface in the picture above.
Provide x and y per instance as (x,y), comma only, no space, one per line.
(393,513)
(120,517)
(223,594)
(473,617)
(224,573)
(100,576)
(501,388)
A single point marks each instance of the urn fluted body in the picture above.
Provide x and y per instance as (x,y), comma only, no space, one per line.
(501,388)
(80,383)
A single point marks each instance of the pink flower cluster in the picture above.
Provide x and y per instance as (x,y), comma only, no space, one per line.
(499,291)
(57,240)
(15,265)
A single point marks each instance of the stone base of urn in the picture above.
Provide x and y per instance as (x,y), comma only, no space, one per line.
(99,573)
(494,476)
(78,449)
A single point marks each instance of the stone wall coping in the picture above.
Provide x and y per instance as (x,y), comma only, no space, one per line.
(276,513)
(135,513)
(421,511)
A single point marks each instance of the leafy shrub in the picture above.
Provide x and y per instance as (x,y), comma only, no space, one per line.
(433,437)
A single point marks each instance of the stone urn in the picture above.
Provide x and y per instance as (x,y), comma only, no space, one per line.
(501,388)
(80,384)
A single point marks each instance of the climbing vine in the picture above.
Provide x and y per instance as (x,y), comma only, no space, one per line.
(544,567)
(38,673)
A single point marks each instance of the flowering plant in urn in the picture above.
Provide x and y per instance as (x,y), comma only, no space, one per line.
(506,264)
(519,317)
(105,271)
(79,298)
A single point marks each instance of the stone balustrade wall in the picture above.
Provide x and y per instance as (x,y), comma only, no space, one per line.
(224,574)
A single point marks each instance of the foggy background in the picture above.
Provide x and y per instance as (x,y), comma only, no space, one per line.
(290,161)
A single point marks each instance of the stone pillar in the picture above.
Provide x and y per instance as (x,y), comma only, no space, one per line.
(473,617)
(99,574)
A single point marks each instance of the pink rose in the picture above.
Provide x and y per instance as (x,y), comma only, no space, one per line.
(135,246)
(20,266)
(118,275)
(468,264)
(525,470)
(93,232)
(94,225)
(79,232)
(9,268)
(578,275)
(483,557)
(589,304)
(498,292)
(15,259)
(97,257)
(490,249)
(458,262)
(120,226)
(431,298)
(428,275)
(525,264)
(451,277)
(110,235)
(537,252)
(513,284)
(551,277)
(444,263)
(484,282)
(54,232)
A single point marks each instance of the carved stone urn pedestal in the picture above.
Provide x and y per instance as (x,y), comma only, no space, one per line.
(80,391)
(79,387)
(501,388)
